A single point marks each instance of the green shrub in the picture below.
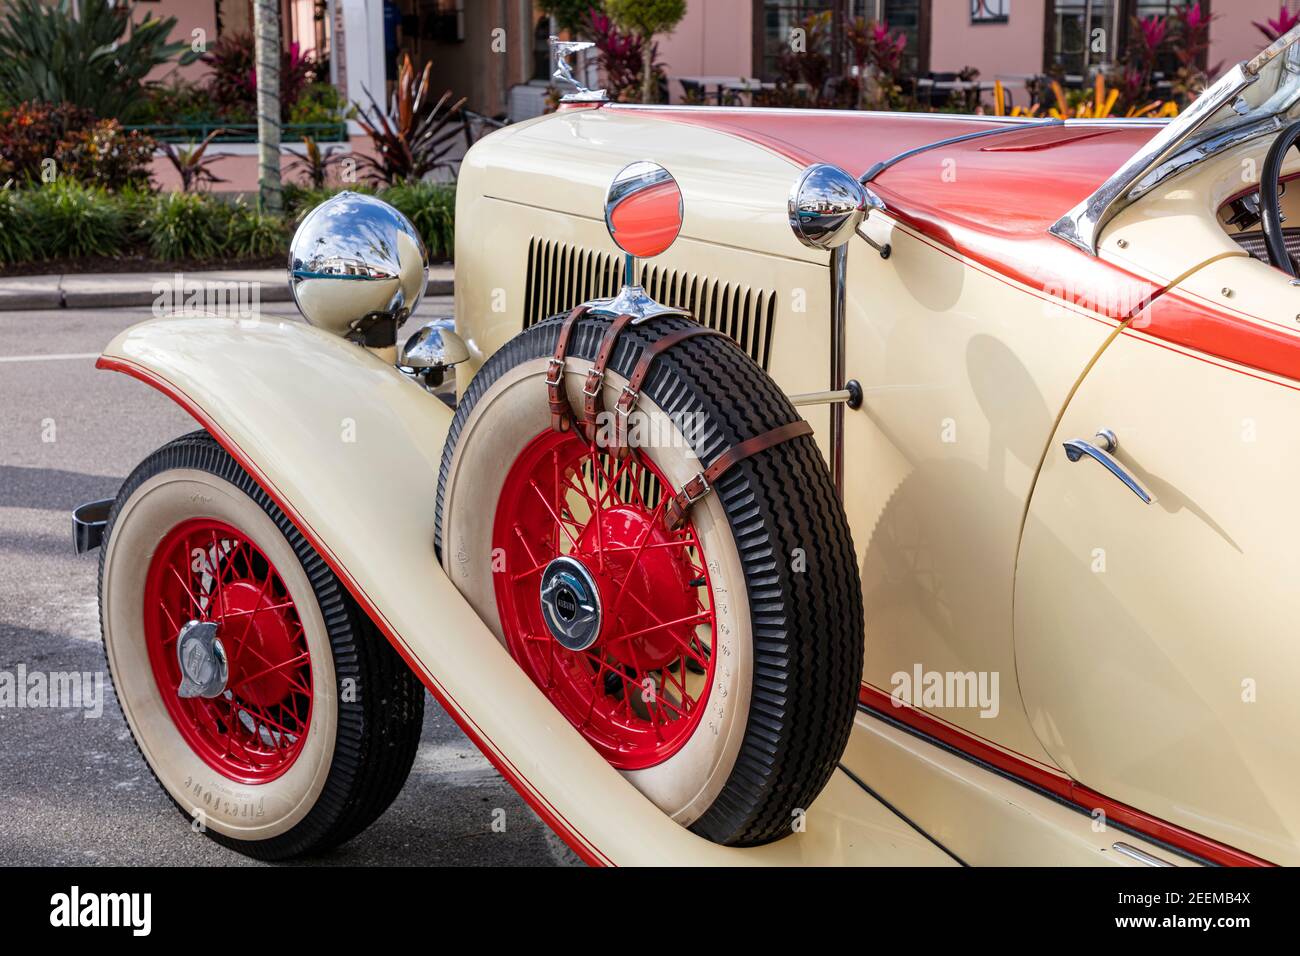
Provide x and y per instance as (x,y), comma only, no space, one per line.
(431,207)
(187,226)
(320,104)
(71,221)
(106,155)
(255,235)
(95,55)
(15,228)
(30,134)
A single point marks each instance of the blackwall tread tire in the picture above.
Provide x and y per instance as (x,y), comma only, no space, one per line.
(378,727)
(807,624)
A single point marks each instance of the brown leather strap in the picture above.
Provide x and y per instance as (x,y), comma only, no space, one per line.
(557,395)
(632,390)
(699,486)
(593,392)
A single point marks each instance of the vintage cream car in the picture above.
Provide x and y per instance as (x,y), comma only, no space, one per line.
(931,512)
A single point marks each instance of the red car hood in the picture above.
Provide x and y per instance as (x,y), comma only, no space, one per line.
(990,199)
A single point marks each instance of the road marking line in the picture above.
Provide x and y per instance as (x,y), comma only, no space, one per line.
(54,357)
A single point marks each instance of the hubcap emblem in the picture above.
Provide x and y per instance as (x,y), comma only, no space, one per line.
(203,660)
(571,603)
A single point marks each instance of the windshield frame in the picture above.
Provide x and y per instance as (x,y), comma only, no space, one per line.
(1192,138)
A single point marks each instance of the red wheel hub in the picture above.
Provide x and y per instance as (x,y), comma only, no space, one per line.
(254,726)
(580,530)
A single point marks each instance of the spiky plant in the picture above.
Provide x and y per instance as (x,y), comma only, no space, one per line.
(414,135)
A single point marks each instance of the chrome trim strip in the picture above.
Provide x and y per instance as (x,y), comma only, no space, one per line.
(795,111)
(880,167)
(1134,853)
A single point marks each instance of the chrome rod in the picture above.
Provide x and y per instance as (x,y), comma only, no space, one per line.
(839,277)
(850,395)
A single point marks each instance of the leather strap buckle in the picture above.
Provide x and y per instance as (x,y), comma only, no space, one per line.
(595,382)
(555,373)
(695,489)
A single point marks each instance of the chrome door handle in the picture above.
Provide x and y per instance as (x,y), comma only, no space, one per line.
(1076,448)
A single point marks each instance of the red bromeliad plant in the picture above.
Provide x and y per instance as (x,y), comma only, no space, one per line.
(233,84)
(415,134)
(1149,36)
(622,57)
(874,48)
(1279,25)
(1191,42)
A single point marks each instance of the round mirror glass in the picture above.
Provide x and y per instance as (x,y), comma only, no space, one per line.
(643,209)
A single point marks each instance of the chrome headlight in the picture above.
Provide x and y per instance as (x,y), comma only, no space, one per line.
(357,268)
(827,205)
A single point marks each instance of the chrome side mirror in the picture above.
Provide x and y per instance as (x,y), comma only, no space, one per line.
(357,268)
(432,349)
(643,213)
(827,205)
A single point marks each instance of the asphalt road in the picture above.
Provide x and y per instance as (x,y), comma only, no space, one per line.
(73,789)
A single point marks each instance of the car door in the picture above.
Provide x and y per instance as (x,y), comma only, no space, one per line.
(1156,642)
(964,373)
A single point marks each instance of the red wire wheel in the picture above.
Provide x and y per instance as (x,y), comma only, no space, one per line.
(208,571)
(637,692)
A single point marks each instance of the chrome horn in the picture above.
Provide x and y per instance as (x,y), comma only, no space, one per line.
(434,348)
(643,213)
(827,205)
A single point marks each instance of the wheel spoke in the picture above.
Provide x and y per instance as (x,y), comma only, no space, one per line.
(653,592)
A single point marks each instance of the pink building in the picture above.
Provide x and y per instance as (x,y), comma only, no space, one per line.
(1000,38)
(494,52)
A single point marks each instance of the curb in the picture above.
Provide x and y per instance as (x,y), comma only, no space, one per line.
(39,296)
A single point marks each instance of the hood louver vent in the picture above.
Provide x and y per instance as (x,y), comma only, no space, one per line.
(562,275)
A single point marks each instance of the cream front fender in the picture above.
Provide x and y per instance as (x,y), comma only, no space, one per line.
(349,448)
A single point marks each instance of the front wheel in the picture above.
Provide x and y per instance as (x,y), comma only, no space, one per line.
(715,664)
(263,700)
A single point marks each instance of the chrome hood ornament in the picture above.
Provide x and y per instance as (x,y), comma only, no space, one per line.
(643,213)
(562,72)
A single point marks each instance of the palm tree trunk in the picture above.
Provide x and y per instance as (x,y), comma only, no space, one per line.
(266,31)
(648,77)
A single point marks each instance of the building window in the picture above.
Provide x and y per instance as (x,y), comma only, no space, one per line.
(1083,35)
(908,16)
(989,11)
(779,18)
(774,19)
(1086,35)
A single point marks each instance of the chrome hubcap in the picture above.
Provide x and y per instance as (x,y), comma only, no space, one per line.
(571,603)
(204,669)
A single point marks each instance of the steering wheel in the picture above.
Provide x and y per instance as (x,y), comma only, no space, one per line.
(1270,200)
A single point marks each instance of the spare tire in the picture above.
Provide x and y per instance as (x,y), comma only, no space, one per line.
(717,666)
